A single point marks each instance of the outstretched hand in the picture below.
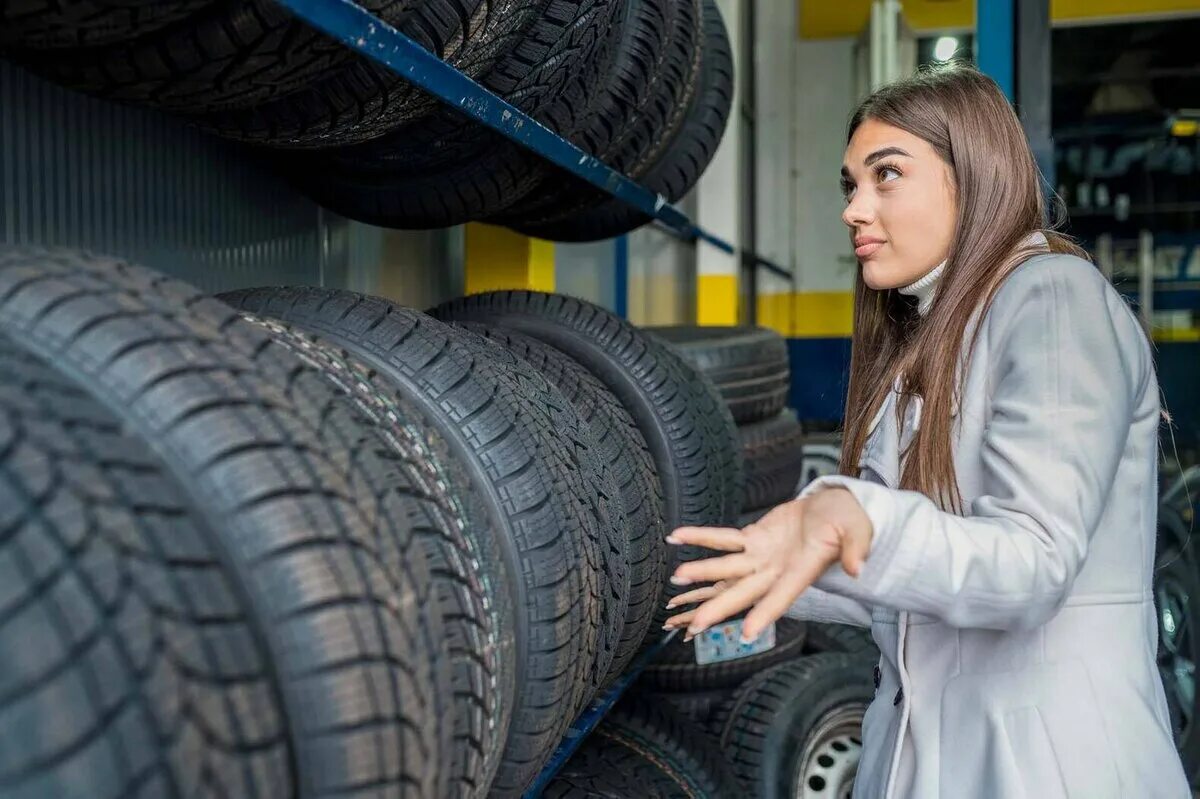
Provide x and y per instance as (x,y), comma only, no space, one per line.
(771,561)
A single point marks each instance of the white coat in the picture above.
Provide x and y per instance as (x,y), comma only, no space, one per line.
(1018,640)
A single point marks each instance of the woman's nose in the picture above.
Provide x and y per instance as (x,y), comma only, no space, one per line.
(858,212)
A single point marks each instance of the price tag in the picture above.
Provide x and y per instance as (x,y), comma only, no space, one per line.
(723,642)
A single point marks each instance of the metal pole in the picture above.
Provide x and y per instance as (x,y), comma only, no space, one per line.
(994,39)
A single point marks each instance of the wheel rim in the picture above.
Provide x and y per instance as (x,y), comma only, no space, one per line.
(831,754)
(1176,642)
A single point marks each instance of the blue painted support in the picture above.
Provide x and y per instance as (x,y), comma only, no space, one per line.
(591,717)
(621,276)
(995,41)
(360,30)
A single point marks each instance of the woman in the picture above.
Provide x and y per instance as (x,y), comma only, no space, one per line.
(998,537)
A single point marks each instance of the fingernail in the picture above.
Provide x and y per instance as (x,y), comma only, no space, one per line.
(680,580)
(687,638)
(673,540)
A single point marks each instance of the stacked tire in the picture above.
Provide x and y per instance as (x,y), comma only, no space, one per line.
(643,85)
(305,542)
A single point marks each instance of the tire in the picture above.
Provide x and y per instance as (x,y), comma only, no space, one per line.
(840,639)
(623,449)
(696,706)
(684,157)
(795,730)
(115,605)
(223,54)
(527,458)
(820,458)
(52,24)
(310,529)
(470,580)
(642,749)
(675,669)
(748,364)
(691,436)
(773,452)
(446,169)
(364,100)
(638,105)
(1176,605)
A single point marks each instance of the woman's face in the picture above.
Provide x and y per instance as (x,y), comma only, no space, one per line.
(899,204)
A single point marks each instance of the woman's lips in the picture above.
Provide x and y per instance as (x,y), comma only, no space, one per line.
(868,249)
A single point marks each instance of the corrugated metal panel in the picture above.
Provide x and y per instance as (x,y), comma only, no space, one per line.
(79,172)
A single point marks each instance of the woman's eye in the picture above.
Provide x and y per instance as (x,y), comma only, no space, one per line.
(887,173)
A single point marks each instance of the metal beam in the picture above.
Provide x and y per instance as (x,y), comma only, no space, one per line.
(995,41)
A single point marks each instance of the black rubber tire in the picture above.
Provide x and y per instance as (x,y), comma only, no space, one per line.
(363,100)
(684,157)
(470,577)
(49,24)
(773,451)
(311,530)
(527,455)
(675,668)
(623,449)
(446,169)
(1177,585)
(114,606)
(696,706)
(636,107)
(840,639)
(224,53)
(687,761)
(764,728)
(615,569)
(691,435)
(605,769)
(748,364)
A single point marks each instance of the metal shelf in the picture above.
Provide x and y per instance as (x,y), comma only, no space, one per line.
(362,31)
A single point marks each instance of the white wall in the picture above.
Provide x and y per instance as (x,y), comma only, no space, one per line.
(825,98)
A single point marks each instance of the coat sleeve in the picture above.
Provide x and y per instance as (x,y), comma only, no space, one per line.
(824,606)
(1067,365)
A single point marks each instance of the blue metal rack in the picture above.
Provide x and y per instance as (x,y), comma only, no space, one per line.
(361,31)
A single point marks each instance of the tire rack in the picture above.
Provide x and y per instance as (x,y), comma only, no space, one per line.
(360,30)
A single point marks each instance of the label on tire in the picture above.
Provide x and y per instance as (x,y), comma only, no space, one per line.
(724,642)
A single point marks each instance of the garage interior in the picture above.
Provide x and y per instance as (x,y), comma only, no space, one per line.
(340,434)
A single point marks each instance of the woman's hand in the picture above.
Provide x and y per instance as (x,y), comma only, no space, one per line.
(773,560)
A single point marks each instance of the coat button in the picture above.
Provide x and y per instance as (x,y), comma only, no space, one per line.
(877,678)
(899,696)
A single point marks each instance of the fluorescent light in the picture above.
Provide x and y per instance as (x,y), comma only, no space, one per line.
(945,48)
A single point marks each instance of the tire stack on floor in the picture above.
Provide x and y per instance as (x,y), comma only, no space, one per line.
(787,721)
(643,85)
(303,542)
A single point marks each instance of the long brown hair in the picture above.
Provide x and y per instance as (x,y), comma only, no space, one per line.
(970,124)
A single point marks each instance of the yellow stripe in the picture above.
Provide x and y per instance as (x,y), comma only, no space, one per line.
(716,300)
(1177,334)
(808,314)
(496,258)
(826,19)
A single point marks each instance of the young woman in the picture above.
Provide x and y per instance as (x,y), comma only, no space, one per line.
(994,522)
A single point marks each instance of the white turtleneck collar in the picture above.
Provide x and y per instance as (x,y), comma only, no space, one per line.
(925,287)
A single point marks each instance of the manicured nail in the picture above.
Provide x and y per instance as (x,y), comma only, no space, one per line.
(673,540)
(680,580)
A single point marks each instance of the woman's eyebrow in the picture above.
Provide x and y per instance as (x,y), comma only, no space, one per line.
(884,153)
